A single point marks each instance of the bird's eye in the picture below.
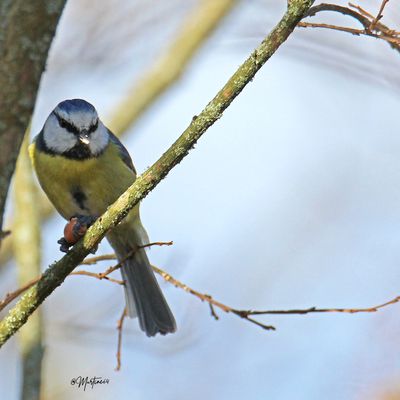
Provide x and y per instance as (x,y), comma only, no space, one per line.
(63,123)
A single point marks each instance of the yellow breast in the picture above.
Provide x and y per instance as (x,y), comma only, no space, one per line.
(84,187)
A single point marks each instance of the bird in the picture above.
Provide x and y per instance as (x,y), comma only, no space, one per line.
(83,168)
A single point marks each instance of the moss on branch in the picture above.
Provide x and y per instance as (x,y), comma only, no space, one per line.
(57,272)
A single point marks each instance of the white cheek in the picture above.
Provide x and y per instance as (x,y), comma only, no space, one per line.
(98,139)
(57,138)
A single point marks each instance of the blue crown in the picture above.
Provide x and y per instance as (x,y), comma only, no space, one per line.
(76,105)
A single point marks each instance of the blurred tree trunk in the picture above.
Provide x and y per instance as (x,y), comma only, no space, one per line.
(27,254)
(26,31)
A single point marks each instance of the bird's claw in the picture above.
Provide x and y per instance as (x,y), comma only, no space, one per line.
(74,230)
(64,245)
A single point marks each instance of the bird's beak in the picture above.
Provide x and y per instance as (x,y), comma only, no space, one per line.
(84,136)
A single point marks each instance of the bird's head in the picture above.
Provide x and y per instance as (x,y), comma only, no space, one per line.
(75,126)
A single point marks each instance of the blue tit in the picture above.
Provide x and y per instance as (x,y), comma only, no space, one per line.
(83,168)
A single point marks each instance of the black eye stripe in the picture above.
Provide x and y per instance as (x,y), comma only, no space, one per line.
(71,128)
(66,125)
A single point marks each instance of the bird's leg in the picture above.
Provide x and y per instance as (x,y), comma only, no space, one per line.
(75,230)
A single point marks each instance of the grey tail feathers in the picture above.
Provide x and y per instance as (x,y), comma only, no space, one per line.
(143,294)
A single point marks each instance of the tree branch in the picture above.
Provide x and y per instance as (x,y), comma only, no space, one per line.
(57,272)
(26,32)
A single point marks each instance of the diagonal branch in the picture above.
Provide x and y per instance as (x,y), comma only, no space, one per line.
(57,272)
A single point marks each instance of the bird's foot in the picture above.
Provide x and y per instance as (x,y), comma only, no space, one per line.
(64,245)
(74,230)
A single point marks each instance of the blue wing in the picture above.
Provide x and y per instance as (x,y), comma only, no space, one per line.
(126,158)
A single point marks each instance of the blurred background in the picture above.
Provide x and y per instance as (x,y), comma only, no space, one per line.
(291,200)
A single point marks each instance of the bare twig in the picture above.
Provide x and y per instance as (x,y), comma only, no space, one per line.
(379,15)
(94,260)
(326,310)
(89,261)
(205,297)
(107,257)
(212,310)
(371,25)
(358,32)
(97,276)
(10,296)
(120,326)
(245,314)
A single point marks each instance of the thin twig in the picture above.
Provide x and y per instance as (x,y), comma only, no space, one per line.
(329,26)
(205,297)
(107,257)
(113,268)
(212,309)
(89,261)
(391,40)
(363,12)
(379,15)
(371,25)
(94,260)
(120,326)
(97,276)
(245,314)
(326,310)
(10,296)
